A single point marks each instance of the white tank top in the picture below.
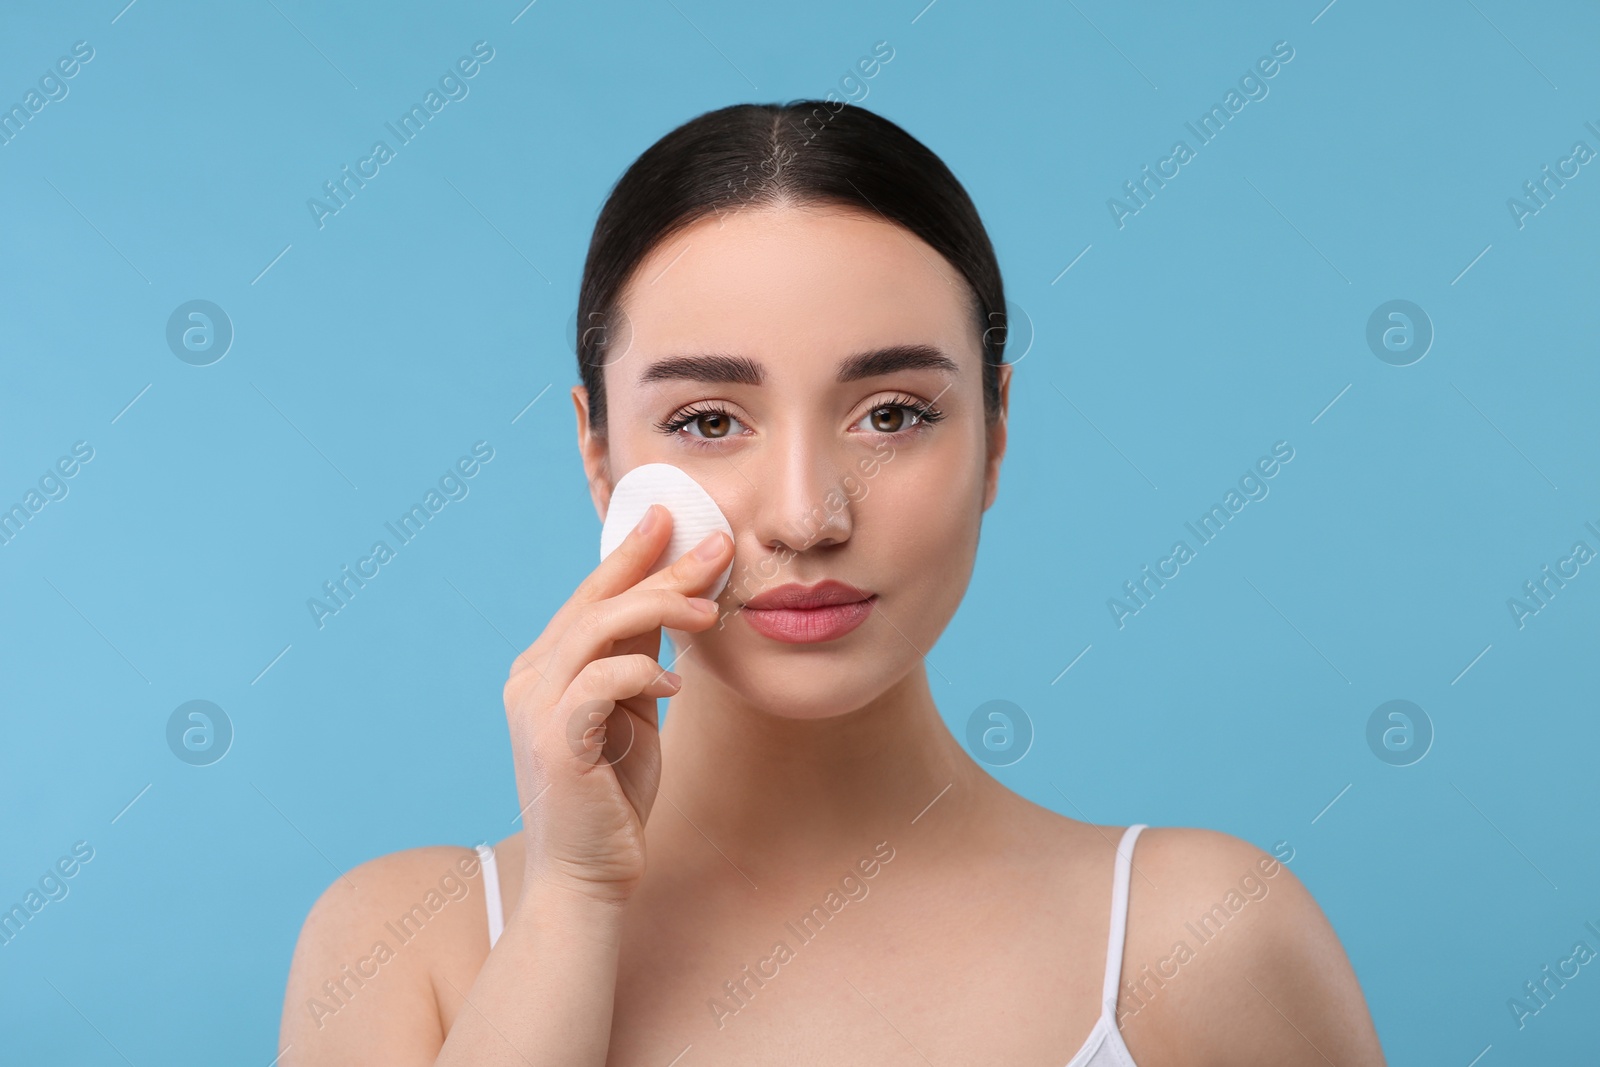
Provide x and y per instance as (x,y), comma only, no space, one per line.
(1104,1046)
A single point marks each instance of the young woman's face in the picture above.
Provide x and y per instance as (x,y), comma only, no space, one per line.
(819,371)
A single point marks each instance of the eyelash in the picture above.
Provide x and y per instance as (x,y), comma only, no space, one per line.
(927,414)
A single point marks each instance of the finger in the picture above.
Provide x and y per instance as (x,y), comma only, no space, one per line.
(611,728)
(596,627)
(693,571)
(620,570)
(621,678)
(690,573)
(630,561)
(599,692)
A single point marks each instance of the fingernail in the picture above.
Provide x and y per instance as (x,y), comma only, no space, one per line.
(703,604)
(647,523)
(673,678)
(711,547)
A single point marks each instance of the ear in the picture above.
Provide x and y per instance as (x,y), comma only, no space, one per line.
(595,452)
(997,439)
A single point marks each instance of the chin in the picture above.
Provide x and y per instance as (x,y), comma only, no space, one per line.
(815,681)
(811,696)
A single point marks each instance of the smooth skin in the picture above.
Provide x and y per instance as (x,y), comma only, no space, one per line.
(660,861)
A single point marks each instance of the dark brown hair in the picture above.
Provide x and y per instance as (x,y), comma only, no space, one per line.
(759,155)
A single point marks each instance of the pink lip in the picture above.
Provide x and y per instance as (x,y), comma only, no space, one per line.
(798,614)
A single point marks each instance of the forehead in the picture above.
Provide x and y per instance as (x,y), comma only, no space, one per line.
(796,288)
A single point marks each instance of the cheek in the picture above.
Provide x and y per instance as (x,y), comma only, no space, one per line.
(924,511)
(941,482)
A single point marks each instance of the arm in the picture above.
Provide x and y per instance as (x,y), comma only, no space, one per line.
(357,993)
(545,994)
(1298,996)
(1261,981)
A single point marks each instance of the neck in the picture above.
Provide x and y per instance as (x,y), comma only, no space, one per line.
(786,795)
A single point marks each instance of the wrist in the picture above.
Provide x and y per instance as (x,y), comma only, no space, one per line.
(572,914)
(578,896)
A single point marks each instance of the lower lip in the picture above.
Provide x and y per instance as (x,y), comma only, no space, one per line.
(799,626)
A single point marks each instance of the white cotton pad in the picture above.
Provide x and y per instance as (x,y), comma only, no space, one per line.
(694,514)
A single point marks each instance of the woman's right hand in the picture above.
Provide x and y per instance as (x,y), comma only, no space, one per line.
(581,706)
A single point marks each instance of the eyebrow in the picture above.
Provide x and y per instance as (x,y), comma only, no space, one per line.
(742,370)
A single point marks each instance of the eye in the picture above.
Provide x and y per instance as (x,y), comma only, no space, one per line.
(707,422)
(901,415)
(891,418)
(713,423)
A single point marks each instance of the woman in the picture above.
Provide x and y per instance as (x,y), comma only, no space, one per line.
(797,305)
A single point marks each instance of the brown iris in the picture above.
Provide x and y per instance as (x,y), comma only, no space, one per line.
(895,415)
(713,424)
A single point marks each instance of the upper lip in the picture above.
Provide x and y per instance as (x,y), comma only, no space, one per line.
(800,597)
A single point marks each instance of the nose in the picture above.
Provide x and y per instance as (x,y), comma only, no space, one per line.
(801,496)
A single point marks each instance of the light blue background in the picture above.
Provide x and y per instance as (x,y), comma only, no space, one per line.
(426,315)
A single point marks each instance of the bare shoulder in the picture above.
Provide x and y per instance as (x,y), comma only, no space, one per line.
(363,984)
(1230,960)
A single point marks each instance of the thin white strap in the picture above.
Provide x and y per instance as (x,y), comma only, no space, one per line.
(1119,919)
(491,893)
